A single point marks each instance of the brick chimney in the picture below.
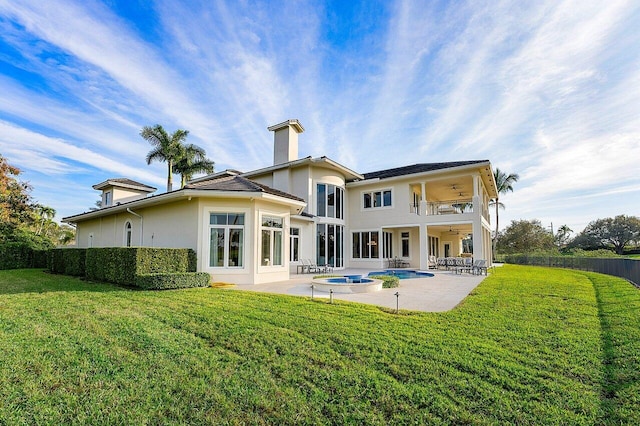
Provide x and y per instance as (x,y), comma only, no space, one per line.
(285,141)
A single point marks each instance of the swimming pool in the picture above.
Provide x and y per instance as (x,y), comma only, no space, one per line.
(402,273)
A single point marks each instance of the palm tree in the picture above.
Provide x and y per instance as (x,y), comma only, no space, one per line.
(191,160)
(165,148)
(44,214)
(563,235)
(504,184)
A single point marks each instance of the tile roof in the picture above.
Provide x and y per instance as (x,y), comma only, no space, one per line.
(125,182)
(240,184)
(418,168)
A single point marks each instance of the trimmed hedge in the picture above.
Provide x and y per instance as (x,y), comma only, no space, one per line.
(67,261)
(388,281)
(166,281)
(40,258)
(18,255)
(15,256)
(121,265)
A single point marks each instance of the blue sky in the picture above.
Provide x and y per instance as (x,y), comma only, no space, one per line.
(548,89)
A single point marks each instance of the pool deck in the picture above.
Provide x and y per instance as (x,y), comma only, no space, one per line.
(442,292)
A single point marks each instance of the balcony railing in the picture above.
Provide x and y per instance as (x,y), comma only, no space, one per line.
(450,207)
(414,208)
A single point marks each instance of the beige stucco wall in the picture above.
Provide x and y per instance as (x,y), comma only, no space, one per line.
(172,225)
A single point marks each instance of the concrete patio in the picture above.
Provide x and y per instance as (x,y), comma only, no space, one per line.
(442,292)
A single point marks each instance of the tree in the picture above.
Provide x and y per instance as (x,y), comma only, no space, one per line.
(165,148)
(523,236)
(15,201)
(18,214)
(563,236)
(191,160)
(611,233)
(504,184)
(44,214)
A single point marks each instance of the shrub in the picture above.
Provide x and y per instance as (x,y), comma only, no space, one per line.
(120,265)
(74,261)
(55,263)
(40,258)
(388,281)
(14,255)
(165,281)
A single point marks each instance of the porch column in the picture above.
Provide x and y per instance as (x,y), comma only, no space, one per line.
(423,202)
(424,250)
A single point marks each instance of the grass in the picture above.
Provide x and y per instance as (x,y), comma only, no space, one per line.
(528,346)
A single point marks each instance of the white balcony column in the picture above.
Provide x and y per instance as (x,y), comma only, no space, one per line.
(477,205)
(424,248)
(423,201)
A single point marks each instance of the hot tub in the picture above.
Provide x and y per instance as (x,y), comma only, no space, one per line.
(347,284)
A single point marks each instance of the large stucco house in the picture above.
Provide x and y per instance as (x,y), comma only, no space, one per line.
(256,227)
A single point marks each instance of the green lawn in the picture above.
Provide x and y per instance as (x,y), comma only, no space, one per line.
(528,346)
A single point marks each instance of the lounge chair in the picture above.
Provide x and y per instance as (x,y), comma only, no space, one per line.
(432,262)
(309,266)
(480,266)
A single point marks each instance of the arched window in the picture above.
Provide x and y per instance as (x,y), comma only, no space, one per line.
(127,234)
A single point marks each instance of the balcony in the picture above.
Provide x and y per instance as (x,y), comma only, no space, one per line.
(458,206)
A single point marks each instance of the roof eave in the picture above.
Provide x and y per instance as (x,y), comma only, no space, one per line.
(420,174)
(183,194)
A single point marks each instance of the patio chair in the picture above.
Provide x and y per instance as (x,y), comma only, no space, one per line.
(480,266)
(310,266)
(432,262)
(441,263)
(464,265)
(451,263)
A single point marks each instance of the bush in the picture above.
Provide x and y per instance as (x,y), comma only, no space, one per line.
(388,281)
(165,281)
(55,263)
(40,258)
(67,261)
(121,265)
(15,256)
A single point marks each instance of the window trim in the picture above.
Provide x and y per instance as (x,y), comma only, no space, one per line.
(272,240)
(372,199)
(294,241)
(128,234)
(338,201)
(406,238)
(366,243)
(227,238)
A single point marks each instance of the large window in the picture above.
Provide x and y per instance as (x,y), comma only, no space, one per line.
(405,244)
(434,246)
(271,241)
(387,246)
(330,201)
(329,245)
(376,199)
(294,244)
(226,244)
(365,245)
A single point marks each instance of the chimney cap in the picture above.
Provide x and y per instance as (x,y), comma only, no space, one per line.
(292,122)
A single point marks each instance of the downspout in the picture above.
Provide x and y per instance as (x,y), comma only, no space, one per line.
(141,223)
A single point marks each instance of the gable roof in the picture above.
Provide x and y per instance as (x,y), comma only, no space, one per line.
(124,183)
(319,161)
(238,183)
(419,168)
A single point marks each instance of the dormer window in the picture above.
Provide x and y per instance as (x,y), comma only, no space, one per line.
(108,199)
